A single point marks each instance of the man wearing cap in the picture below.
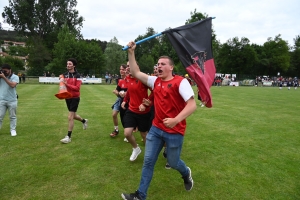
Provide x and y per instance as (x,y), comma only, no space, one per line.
(8,96)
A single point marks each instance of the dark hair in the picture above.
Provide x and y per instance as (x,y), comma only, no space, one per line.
(6,66)
(124,66)
(73,60)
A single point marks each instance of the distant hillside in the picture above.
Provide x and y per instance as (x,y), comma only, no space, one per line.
(11,36)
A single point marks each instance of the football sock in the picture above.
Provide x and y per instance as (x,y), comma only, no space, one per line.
(83,120)
(69,134)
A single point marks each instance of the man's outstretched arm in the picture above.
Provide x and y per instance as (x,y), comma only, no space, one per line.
(134,69)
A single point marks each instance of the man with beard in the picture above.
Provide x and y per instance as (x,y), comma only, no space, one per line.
(8,97)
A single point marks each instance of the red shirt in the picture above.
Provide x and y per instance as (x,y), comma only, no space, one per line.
(168,103)
(73,85)
(136,91)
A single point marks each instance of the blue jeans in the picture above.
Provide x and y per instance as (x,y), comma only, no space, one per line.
(11,106)
(155,140)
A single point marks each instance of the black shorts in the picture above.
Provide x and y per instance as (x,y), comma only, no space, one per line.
(72,104)
(132,120)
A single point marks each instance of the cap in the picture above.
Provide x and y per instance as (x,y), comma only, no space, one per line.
(6,66)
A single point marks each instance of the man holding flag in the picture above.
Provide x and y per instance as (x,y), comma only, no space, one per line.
(174,102)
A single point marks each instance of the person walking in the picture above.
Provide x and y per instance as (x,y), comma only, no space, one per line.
(174,102)
(8,97)
(135,116)
(120,92)
(73,86)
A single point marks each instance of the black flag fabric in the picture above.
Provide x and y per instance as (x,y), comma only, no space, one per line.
(193,45)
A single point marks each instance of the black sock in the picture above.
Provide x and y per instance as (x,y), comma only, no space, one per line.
(83,120)
(69,134)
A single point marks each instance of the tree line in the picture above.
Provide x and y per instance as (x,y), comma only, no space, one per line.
(53,33)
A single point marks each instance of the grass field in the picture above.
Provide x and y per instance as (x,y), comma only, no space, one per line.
(246,147)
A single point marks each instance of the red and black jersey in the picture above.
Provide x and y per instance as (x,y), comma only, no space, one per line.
(136,91)
(122,85)
(168,103)
(73,84)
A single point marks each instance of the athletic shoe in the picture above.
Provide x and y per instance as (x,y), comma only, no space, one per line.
(66,140)
(188,181)
(125,140)
(167,166)
(85,124)
(132,196)
(135,153)
(165,153)
(13,133)
(114,133)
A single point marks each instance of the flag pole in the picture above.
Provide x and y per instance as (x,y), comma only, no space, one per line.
(148,38)
(143,40)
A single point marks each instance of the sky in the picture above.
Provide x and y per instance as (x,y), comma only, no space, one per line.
(256,20)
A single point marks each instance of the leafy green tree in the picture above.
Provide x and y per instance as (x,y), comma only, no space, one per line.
(89,56)
(147,46)
(18,51)
(42,18)
(237,56)
(114,56)
(295,57)
(38,57)
(146,63)
(16,63)
(277,56)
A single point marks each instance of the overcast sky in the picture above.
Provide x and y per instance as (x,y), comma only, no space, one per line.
(256,20)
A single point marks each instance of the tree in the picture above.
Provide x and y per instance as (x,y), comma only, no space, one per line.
(89,55)
(147,46)
(114,56)
(277,55)
(295,57)
(16,63)
(146,63)
(38,57)
(237,56)
(42,18)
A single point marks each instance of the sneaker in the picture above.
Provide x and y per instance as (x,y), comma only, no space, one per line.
(188,181)
(135,153)
(13,133)
(66,140)
(85,124)
(167,166)
(132,196)
(125,140)
(165,153)
(114,133)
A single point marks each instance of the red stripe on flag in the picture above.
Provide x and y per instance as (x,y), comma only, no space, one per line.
(203,81)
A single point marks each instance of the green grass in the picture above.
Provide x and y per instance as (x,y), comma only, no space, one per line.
(246,147)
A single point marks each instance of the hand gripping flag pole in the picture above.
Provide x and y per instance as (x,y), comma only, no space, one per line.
(193,45)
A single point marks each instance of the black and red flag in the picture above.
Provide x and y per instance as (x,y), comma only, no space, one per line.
(193,45)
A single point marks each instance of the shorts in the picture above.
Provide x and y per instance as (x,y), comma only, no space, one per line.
(132,120)
(116,106)
(72,104)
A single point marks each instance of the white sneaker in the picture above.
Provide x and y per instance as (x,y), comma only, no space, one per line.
(135,153)
(85,124)
(125,140)
(66,140)
(13,133)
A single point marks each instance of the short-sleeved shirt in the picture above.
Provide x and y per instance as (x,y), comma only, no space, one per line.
(8,93)
(169,100)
